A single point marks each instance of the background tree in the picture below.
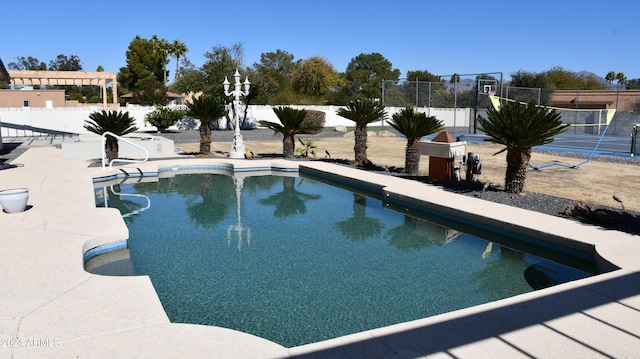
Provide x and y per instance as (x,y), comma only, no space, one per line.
(524,82)
(142,61)
(64,63)
(291,123)
(414,125)
(633,84)
(362,112)
(314,79)
(207,109)
(621,78)
(272,76)
(221,62)
(610,77)
(559,78)
(455,78)
(162,48)
(364,75)
(118,123)
(427,83)
(178,49)
(189,79)
(520,127)
(27,63)
(149,92)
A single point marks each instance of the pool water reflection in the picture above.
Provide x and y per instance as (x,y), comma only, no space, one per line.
(296,260)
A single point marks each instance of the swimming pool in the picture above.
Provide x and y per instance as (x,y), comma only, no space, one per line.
(296,260)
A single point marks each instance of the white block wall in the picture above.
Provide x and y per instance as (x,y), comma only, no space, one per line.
(71,120)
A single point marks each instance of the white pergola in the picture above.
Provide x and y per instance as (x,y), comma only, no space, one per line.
(73,78)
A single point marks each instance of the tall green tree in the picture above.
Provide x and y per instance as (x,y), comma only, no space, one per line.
(519,127)
(189,79)
(178,49)
(162,48)
(314,79)
(291,123)
(142,61)
(621,78)
(118,123)
(362,112)
(149,92)
(364,75)
(414,125)
(272,78)
(207,109)
(610,77)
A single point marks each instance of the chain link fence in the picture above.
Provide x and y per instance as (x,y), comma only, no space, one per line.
(473,91)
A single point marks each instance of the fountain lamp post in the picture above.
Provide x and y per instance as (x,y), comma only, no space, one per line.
(237,149)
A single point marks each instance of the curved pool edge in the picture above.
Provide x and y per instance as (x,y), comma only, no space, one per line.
(73,313)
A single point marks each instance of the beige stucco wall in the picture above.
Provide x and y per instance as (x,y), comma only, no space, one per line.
(36,98)
(625,99)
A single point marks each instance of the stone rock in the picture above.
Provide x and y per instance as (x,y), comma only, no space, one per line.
(340,128)
(387,134)
(350,134)
(580,209)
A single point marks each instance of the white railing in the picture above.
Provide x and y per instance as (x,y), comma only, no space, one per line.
(104,152)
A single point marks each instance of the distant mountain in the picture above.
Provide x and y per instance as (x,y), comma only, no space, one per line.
(590,75)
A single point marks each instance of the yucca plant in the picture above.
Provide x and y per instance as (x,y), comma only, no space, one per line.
(207,109)
(118,123)
(291,123)
(520,127)
(308,148)
(362,112)
(414,125)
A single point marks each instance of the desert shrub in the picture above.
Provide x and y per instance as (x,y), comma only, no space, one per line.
(314,119)
(163,117)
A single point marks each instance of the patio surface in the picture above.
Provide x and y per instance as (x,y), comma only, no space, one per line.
(51,307)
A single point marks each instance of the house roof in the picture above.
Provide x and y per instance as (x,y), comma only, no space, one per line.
(4,75)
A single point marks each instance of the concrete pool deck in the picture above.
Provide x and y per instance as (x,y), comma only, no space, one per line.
(51,307)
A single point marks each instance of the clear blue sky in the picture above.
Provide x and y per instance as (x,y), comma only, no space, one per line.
(443,37)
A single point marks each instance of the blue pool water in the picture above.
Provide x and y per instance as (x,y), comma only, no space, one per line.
(295,260)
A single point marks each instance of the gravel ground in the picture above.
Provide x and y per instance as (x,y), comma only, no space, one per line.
(613,218)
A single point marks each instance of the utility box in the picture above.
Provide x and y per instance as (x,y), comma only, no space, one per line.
(442,152)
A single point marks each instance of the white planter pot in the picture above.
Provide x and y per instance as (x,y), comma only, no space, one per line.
(14,200)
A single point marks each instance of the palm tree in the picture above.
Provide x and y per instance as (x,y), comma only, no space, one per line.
(611,76)
(291,124)
(622,79)
(520,127)
(414,125)
(177,50)
(362,112)
(118,123)
(163,47)
(207,109)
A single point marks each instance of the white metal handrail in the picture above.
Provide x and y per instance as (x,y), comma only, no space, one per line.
(104,152)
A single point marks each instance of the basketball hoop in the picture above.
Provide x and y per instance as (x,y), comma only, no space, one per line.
(491,93)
